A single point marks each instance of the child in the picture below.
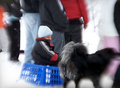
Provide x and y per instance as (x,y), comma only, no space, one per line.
(43,51)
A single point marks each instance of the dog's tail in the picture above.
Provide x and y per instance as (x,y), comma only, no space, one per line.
(71,49)
(70,58)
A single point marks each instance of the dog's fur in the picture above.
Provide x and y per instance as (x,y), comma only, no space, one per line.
(76,63)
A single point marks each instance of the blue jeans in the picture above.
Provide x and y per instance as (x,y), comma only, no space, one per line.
(32,23)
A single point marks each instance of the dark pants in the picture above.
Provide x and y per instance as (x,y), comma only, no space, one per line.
(116,83)
(74,32)
(58,40)
(14,34)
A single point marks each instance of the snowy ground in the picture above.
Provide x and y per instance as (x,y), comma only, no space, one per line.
(10,71)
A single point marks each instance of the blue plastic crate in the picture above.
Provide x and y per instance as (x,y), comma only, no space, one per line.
(41,75)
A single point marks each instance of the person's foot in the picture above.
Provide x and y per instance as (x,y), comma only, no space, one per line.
(14,59)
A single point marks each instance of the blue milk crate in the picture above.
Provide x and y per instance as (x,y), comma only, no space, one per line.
(41,75)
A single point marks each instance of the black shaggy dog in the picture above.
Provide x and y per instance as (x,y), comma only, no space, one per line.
(76,63)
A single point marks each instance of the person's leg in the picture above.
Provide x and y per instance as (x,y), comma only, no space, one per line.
(10,29)
(15,40)
(76,31)
(67,37)
(32,22)
(58,40)
(76,37)
(112,42)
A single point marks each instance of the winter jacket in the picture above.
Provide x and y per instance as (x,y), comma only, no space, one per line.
(13,8)
(43,52)
(30,6)
(117,16)
(1,17)
(52,15)
(76,9)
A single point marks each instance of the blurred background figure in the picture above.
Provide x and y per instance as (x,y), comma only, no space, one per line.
(12,20)
(31,20)
(75,9)
(4,40)
(109,36)
(116,83)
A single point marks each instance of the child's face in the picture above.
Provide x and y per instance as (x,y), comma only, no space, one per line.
(48,37)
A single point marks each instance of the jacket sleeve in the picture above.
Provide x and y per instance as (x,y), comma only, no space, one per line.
(47,53)
(58,14)
(83,9)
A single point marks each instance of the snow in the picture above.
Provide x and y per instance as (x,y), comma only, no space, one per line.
(10,71)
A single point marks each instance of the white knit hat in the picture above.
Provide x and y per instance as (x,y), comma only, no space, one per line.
(44,31)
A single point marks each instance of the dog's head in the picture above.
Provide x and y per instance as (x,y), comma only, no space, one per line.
(98,61)
(105,55)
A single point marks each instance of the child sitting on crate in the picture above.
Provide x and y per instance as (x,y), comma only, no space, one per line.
(43,51)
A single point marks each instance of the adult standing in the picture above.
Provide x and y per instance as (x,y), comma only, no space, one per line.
(31,22)
(53,16)
(13,27)
(75,9)
(116,83)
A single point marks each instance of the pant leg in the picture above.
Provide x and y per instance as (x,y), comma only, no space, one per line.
(32,22)
(58,40)
(76,36)
(74,32)
(67,37)
(10,29)
(15,40)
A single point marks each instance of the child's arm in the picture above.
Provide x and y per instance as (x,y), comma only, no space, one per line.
(47,53)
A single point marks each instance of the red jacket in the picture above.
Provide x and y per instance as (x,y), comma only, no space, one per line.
(75,9)
(1,17)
